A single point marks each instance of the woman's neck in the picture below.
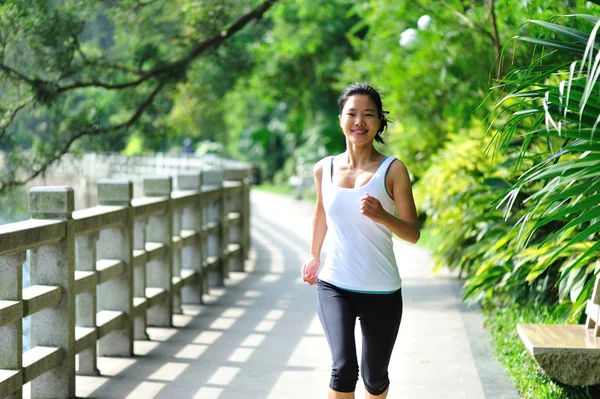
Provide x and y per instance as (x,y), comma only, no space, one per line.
(356,156)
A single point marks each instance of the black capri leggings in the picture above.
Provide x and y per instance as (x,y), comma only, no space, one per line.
(379,316)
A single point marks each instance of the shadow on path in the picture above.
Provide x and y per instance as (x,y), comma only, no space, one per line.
(259,337)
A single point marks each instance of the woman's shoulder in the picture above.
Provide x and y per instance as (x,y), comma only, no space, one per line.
(318,168)
(397,169)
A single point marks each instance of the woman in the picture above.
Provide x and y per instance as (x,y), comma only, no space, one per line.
(357,192)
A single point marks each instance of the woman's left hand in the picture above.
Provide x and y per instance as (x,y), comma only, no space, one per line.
(371,208)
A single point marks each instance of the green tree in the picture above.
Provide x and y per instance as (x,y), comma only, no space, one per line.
(435,62)
(87,74)
(284,114)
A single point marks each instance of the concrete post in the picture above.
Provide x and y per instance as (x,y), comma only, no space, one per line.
(86,302)
(177,261)
(54,265)
(159,273)
(215,243)
(246,215)
(139,278)
(234,232)
(117,243)
(11,335)
(191,255)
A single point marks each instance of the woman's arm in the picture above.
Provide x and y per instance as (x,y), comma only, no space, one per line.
(319,229)
(406,225)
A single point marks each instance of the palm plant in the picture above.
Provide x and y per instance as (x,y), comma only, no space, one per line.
(552,112)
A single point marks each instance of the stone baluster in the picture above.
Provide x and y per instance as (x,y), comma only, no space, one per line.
(159,272)
(234,232)
(246,215)
(192,255)
(11,334)
(139,277)
(54,265)
(117,243)
(177,261)
(86,302)
(215,243)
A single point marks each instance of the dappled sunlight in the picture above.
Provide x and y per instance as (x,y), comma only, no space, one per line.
(253,294)
(146,389)
(208,393)
(265,326)
(228,318)
(224,375)
(85,385)
(191,351)
(182,320)
(271,278)
(241,340)
(233,312)
(208,337)
(241,355)
(275,254)
(222,323)
(111,366)
(161,334)
(192,310)
(168,371)
(290,245)
(274,314)
(142,348)
(253,340)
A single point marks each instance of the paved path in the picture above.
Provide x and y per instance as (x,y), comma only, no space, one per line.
(260,338)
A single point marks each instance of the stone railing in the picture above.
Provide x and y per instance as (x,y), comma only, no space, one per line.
(100,275)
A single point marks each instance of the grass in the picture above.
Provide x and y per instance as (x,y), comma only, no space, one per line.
(501,322)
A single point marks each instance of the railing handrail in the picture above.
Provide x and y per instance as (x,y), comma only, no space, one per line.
(89,269)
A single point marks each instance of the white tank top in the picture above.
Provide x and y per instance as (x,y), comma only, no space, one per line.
(358,251)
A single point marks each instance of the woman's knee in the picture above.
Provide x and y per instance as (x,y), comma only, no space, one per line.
(344,378)
(375,382)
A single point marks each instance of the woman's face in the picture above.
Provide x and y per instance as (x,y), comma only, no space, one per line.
(359,119)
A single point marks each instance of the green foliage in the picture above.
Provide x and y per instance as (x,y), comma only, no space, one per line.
(288,101)
(88,75)
(549,105)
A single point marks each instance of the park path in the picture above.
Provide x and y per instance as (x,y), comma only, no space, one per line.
(259,337)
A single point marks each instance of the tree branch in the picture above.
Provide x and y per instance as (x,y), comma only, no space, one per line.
(213,42)
(495,37)
(93,131)
(12,115)
(14,73)
(158,72)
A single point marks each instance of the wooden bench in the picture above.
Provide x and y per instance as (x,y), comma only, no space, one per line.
(568,353)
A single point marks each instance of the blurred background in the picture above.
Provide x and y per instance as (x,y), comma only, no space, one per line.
(494,106)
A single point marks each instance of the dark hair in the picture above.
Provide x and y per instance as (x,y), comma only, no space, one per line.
(366,90)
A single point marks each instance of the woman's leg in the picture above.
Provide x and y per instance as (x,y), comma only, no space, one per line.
(338,317)
(382,396)
(340,395)
(380,317)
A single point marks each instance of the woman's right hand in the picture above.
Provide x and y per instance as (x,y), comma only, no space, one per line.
(309,270)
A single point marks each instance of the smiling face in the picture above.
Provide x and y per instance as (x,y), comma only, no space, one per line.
(359,119)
